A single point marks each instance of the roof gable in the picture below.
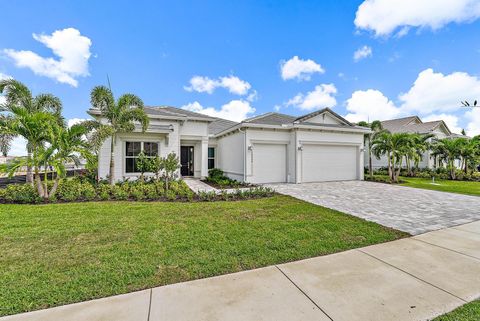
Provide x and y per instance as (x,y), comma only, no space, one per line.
(271,119)
(323,116)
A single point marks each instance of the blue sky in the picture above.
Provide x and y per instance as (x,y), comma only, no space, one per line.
(251,57)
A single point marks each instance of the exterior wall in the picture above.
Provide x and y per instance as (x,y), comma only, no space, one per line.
(230,155)
(186,133)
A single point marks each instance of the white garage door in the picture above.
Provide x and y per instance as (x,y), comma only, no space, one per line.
(269,163)
(322,163)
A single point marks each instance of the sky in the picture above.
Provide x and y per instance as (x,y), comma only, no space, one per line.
(367,60)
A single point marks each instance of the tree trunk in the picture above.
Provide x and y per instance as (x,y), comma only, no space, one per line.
(409,167)
(389,161)
(40,190)
(29,176)
(452,169)
(112,161)
(399,169)
(370,167)
(54,188)
(466,165)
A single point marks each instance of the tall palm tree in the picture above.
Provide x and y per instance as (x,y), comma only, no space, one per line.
(395,146)
(448,150)
(419,144)
(5,139)
(17,95)
(120,115)
(36,128)
(376,128)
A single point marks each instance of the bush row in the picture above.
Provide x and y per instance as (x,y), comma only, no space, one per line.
(75,190)
(439,173)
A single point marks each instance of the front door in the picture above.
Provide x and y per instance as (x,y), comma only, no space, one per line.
(186,160)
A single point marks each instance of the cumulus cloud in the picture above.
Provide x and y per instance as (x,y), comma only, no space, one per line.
(19,147)
(205,84)
(449,119)
(3,76)
(434,92)
(296,68)
(74,121)
(385,17)
(362,53)
(369,105)
(235,110)
(72,50)
(473,122)
(322,96)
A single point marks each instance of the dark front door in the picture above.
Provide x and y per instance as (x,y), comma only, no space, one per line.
(186,160)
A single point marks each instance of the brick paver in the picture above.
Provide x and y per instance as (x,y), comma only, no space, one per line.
(407,209)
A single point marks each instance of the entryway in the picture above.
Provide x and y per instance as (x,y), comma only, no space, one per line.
(186,160)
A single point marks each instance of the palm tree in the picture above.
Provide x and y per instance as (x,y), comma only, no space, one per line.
(448,150)
(376,128)
(5,139)
(395,146)
(121,116)
(17,95)
(468,151)
(36,128)
(419,144)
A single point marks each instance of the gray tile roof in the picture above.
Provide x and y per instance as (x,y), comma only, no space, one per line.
(411,124)
(173,111)
(271,119)
(319,112)
(220,125)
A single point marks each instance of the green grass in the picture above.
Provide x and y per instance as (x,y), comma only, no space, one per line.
(468,312)
(460,187)
(62,253)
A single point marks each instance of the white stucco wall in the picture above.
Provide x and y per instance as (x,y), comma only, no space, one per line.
(230,154)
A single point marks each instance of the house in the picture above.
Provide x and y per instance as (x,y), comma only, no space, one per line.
(270,148)
(413,124)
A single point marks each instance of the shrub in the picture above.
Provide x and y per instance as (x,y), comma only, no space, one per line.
(170,195)
(137,192)
(19,193)
(119,192)
(103,191)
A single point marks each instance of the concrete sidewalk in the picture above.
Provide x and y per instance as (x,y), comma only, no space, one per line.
(410,279)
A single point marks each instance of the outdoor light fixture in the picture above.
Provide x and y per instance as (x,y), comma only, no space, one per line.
(250,147)
(300,148)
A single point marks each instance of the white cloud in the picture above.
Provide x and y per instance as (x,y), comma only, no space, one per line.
(205,84)
(235,110)
(362,53)
(72,49)
(473,122)
(19,145)
(385,17)
(299,69)
(74,121)
(369,105)
(449,119)
(322,96)
(435,92)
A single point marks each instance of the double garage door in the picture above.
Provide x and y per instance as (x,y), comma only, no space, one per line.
(319,163)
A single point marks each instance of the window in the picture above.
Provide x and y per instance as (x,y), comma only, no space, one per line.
(133,149)
(211,157)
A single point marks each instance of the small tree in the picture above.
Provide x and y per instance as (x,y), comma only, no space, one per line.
(169,165)
(144,164)
(156,166)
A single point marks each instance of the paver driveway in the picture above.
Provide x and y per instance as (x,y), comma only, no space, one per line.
(407,209)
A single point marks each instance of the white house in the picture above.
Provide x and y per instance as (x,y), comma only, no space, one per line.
(273,147)
(413,124)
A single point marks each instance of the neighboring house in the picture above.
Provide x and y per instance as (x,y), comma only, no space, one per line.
(413,124)
(270,148)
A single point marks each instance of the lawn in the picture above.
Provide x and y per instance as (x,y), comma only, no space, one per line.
(468,312)
(461,187)
(62,253)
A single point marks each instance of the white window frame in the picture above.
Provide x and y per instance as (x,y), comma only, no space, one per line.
(214,157)
(141,150)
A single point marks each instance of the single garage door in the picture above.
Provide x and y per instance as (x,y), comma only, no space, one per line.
(269,163)
(321,163)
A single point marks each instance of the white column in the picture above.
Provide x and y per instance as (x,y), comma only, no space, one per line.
(204,162)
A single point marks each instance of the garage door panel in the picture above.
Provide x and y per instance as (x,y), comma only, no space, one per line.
(322,163)
(269,163)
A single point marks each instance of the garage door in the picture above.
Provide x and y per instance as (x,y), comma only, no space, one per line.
(322,163)
(269,163)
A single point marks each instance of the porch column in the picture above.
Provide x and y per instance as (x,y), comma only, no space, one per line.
(204,165)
